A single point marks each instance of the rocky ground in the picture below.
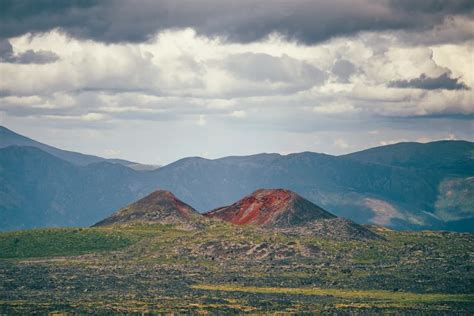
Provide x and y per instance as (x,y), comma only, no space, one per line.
(222,268)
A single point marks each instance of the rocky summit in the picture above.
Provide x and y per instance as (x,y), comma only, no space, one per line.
(160,207)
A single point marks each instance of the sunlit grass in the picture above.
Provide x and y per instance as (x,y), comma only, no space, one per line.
(378,295)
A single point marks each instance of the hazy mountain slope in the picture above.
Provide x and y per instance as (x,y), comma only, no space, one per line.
(451,161)
(31,180)
(10,138)
(46,190)
(358,190)
(39,189)
(455,157)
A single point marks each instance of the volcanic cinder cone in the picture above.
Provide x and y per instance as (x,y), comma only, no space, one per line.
(271,208)
(158,207)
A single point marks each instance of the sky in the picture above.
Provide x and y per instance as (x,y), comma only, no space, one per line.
(156,81)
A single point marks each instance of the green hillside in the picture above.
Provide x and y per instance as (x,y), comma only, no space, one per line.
(50,242)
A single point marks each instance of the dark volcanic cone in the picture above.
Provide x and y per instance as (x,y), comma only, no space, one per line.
(158,207)
(271,208)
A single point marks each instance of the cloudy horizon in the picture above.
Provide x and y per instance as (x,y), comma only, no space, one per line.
(156,81)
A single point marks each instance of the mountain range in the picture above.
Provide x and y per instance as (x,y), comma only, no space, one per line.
(10,138)
(402,186)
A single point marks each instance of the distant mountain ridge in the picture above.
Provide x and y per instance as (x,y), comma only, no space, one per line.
(373,186)
(10,138)
(423,155)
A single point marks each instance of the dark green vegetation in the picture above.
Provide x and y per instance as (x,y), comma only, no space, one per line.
(407,185)
(49,242)
(233,269)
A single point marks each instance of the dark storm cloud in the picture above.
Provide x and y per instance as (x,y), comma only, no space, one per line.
(426,83)
(433,6)
(27,57)
(307,21)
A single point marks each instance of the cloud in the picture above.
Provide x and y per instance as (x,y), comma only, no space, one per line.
(272,76)
(426,83)
(27,57)
(201,121)
(272,85)
(453,29)
(263,67)
(239,114)
(265,74)
(159,68)
(84,66)
(343,69)
(307,21)
(92,117)
(111,152)
(334,108)
(341,143)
